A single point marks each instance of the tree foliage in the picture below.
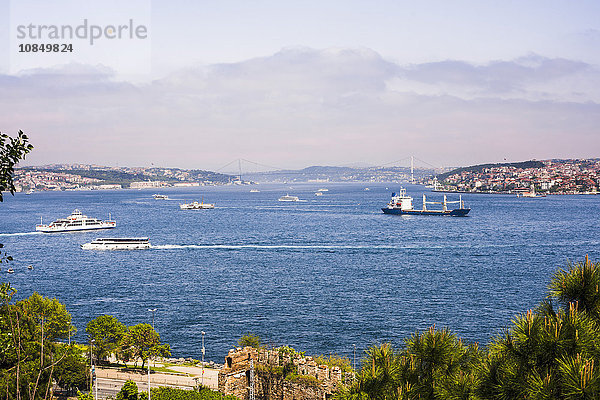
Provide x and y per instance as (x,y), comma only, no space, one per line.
(52,317)
(12,150)
(73,372)
(141,341)
(30,358)
(107,332)
(552,352)
(129,391)
(168,393)
(250,340)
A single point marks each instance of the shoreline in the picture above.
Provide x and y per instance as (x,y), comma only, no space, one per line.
(512,193)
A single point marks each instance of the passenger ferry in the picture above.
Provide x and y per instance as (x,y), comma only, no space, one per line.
(287,197)
(75,222)
(401,204)
(117,244)
(195,205)
(160,197)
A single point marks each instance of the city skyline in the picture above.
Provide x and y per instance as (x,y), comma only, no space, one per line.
(302,84)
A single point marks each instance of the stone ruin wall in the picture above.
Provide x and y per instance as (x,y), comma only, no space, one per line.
(234,377)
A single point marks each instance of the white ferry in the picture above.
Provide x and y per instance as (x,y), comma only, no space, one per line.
(195,205)
(117,244)
(287,197)
(160,197)
(76,222)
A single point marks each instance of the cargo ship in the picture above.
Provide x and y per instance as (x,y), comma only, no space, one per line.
(402,204)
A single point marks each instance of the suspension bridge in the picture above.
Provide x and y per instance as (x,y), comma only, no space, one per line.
(241,167)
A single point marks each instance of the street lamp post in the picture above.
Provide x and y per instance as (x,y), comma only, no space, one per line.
(148,377)
(354,363)
(152,310)
(203,352)
(93,383)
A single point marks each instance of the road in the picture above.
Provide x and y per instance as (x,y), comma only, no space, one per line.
(110,381)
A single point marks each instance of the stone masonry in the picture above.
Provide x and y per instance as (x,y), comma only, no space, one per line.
(304,380)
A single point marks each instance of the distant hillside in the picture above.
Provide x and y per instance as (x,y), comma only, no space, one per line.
(481,167)
(125,177)
(339,174)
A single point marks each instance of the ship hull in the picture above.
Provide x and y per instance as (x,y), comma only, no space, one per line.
(133,246)
(459,212)
(49,229)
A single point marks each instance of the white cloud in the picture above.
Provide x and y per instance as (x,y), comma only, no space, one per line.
(303,106)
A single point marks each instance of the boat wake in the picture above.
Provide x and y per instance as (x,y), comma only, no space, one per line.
(272,247)
(20,234)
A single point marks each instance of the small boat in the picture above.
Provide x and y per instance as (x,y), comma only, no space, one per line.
(254,191)
(319,194)
(531,193)
(30,191)
(30,267)
(195,205)
(10,271)
(367,189)
(322,190)
(287,197)
(401,204)
(160,197)
(75,222)
(117,244)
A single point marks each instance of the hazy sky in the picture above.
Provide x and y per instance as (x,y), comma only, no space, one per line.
(299,83)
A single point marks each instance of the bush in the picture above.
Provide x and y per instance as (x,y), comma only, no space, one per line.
(167,393)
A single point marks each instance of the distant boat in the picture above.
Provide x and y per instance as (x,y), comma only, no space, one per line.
(367,189)
(30,267)
(10,271)
(117,244)
(195,205)
(75,222)
(401,204)
(319,194)
(531,193)
(30,191)
(160,197)
(287,197)
(254,190)
(323,190)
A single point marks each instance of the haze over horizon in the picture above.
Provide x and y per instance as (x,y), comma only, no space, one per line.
(311,83)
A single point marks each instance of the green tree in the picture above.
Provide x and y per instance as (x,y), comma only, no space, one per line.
(129,391)
(168,393)
(141,341)
(11,151)
(578,284)
(52,317)
(250,340)
(380,377)
(107,332)
(550,353)
(72,373)
(30,359)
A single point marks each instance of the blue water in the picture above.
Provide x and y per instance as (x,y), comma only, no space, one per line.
(320,275)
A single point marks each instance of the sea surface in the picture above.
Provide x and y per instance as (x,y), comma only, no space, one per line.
(320,275)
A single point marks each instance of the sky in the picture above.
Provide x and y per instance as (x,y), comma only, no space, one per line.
(299,83)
